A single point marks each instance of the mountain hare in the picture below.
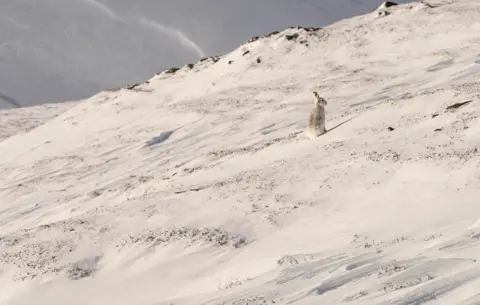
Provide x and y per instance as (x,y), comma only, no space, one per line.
(316,122)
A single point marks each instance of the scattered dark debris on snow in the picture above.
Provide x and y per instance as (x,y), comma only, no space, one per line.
(83,268)
(259,60)
(230,62)
(196,189)
(435,115)
(390,128)
(190,66)
(156,237)
(245,53)
(438,129)
(428,4)
(458,105)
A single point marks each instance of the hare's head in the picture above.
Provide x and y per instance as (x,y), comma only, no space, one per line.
(319,101)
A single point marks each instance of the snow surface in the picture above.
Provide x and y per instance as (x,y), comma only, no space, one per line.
(19,120)
(199,187)
(56,50)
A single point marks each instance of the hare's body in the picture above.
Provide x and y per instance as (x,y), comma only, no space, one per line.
(316,121)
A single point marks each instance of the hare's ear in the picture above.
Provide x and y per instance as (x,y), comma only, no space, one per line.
(316,94)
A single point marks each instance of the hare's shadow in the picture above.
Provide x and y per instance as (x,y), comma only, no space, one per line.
(160,138)
(165,135)
(338,125)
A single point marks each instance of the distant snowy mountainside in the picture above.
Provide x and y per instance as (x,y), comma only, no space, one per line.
(53,51)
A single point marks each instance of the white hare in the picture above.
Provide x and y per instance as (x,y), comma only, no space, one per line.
(316,121)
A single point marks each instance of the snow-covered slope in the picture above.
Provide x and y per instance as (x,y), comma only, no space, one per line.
(198,187)
(56,50)
(21,120)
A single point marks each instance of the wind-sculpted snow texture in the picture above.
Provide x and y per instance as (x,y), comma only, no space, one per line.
(15,121)
(199,186)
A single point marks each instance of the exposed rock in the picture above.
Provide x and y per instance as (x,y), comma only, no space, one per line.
(172,70)
(306,29)
(272,33)
(288,36)
(130,87)
(387,4)
(428,4)
(292,36)
(213,58)
(382,9)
